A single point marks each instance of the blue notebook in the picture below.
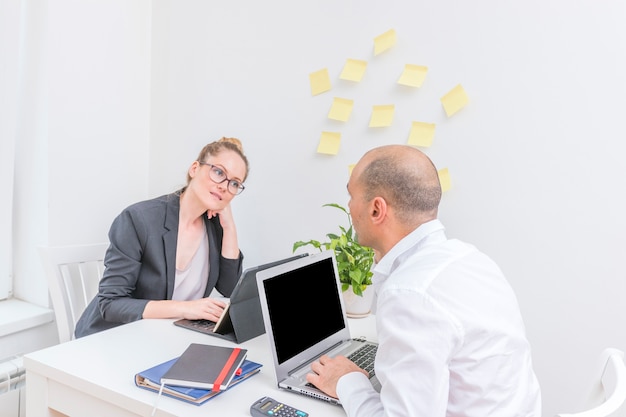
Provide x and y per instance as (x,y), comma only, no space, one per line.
(150,379)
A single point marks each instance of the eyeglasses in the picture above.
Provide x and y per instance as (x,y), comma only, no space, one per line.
(218,176)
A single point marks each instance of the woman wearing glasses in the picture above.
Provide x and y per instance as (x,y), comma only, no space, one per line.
(167,254)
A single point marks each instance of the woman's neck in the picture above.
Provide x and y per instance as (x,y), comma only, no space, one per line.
(191,210)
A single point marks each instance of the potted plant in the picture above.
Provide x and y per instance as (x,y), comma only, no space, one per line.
(354,261)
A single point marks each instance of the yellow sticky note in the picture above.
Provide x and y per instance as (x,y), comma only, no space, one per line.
(350,168)
(353,70)
(320,81)
(444,179)
(422,134)
(341,109)
(382,115)
(413,75)
(454,100)
(329,143)
(384,41)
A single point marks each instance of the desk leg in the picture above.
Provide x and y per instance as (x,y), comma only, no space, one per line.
(37,397)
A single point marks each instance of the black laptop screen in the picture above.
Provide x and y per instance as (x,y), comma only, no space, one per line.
(304,307)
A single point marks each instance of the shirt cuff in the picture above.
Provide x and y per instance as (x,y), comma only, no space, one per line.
(351,383)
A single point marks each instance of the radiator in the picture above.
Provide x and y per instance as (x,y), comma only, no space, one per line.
(12,381)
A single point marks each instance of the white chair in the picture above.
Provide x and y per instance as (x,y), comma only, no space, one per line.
(611,359)
(73,274)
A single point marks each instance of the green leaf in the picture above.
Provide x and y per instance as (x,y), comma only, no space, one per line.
(300,244)
(336,206)
(357,290)
(357,276)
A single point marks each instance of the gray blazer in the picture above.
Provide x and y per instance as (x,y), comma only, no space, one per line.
(140,264)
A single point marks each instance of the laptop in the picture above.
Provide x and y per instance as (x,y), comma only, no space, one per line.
(242,318)
(305,318)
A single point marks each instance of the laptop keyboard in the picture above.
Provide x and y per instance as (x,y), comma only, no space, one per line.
(364,357)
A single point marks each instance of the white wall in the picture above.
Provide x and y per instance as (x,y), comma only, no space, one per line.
(537,179)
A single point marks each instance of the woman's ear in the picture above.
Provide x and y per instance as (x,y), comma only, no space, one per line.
(193,169)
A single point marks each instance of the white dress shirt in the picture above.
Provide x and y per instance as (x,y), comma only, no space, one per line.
(451,338)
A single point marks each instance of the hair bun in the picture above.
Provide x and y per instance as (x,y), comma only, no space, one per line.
(234,141)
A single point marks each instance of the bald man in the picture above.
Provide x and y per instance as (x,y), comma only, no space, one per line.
(451,338)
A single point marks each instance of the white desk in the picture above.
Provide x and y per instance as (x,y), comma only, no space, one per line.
(94,376)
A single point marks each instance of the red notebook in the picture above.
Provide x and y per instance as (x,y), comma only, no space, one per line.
(206,367)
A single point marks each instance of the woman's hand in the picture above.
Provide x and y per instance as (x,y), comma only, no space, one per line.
(204,308)
(230,244)
(225,215)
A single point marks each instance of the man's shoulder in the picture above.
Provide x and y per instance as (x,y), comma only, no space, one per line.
(416,269)
(442,252)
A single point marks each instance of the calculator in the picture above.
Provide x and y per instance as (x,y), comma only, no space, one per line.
(267,406)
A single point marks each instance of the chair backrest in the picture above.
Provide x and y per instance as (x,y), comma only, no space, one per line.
(73,274)
(612,360)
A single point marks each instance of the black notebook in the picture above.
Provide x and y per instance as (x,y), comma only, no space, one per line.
(205,367)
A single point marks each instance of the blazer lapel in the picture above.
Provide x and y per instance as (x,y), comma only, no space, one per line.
(214,254)
(170,238)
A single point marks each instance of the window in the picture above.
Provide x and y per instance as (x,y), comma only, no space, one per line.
(10,40)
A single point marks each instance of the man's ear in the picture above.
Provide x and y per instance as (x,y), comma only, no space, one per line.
(378,210)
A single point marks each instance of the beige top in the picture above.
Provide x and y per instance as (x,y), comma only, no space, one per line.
(190,283)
